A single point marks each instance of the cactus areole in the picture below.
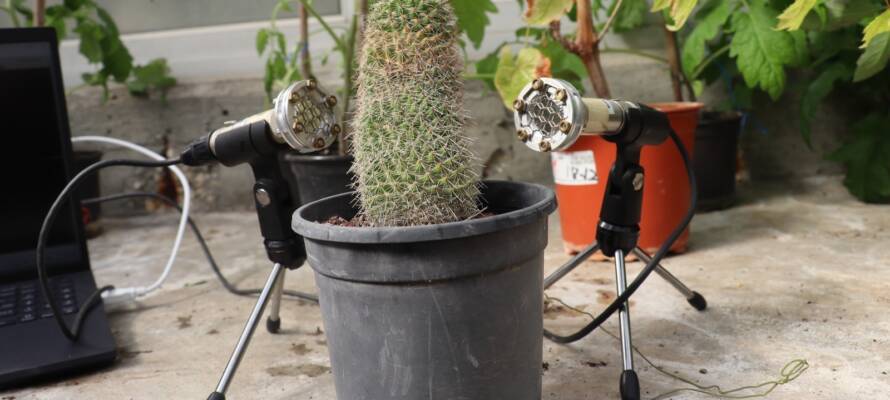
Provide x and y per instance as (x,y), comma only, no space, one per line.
(413,164)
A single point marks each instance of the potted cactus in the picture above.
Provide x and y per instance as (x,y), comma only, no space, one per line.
(430,282)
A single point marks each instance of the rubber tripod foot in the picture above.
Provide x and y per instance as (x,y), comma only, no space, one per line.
(698,301)
(272,325)
(216,396)
(630,385)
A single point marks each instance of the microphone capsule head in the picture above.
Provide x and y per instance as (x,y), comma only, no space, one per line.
(549,114)
(304,117)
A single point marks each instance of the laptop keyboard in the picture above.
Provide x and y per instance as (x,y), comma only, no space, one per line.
(24,302)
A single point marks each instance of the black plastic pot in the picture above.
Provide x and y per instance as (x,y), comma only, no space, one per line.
(447,311)
(90,187)
(313,177)
(716,149)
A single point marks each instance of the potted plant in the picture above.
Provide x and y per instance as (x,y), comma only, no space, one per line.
(430,283)
(750,45)
(317,175)
(547,52)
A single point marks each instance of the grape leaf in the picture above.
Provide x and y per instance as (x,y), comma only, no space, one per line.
(487,67)
(877,26)
(262,39)
(542,12)
(679,11)
(91,35)
(874,59)
(867,158)
(840,14)
(514,72)
(472,18)
(817,91)
(709,25)
(793,16)
(760,51)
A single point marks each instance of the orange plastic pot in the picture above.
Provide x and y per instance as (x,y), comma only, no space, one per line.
(581,172)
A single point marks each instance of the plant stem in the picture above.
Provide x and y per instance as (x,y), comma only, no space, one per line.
(704,64)
(634,52)
(323,23)
(39,13)
(305,58)
(587,47)
(673,56)
(610,20)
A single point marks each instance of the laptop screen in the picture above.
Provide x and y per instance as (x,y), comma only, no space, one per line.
(34,165)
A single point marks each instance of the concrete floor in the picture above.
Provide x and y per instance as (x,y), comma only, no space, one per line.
(796,271)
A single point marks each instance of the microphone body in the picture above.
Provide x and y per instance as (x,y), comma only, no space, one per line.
(550,115)
(302,119)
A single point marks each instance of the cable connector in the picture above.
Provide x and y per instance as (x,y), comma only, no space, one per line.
(121,295)
(198,152)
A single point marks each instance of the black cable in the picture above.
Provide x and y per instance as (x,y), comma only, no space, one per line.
(216,269)
(653,263)
(94,298)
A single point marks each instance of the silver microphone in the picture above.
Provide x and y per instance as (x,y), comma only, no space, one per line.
(550,115)
(302,117)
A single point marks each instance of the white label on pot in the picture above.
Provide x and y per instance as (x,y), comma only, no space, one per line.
(574,168)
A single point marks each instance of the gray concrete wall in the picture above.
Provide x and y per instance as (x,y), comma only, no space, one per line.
(773,149)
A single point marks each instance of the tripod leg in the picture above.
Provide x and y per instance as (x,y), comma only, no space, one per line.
(246,335)
(630,384)
(570,265)
(695,299)
(273,321)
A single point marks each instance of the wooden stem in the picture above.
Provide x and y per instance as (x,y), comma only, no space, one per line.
(40,13)
(673,57)
(586,47)
(305,58)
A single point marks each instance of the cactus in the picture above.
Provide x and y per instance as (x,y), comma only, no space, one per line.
(413,164)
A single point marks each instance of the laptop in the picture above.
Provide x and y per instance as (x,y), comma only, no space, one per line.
(34,166)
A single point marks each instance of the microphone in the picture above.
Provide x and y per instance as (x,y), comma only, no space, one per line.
(550,115)
(302,118)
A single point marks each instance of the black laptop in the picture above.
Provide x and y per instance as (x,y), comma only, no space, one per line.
(35,163)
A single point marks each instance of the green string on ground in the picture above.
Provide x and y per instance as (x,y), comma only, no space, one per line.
(791,371)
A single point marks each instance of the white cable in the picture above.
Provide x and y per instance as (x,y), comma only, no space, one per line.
(122,294)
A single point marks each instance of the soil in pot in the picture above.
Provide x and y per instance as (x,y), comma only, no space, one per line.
(450,311)
(581,172)
(716,144)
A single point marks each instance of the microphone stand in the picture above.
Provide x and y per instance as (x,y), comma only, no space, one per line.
(284,248)
(617,234)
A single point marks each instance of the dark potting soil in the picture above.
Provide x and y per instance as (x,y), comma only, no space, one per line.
(359,221)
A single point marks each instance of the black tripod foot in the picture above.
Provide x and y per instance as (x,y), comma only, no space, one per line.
(216,396)
(272,325)
(630,385)
(698,301)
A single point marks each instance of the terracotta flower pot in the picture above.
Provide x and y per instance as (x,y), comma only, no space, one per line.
(581,171)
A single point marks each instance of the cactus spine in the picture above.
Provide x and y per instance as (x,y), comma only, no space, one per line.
(413,163)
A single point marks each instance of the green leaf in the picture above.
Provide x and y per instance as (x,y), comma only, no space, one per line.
(679,11)
(874,59)
(55,17)
(760,51)
(514,73)
(867,158)
(817,91)
(91,35)
(841,14)
(793,16)
(709,25)
(117,60)
(631,15)
(542,12)
(262,39)
(154,75)
(564,64)
(107,21)
(472,18)
(877,26)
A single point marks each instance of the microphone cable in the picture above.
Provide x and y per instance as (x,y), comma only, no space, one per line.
(231,288)
(653,263)
(73,332)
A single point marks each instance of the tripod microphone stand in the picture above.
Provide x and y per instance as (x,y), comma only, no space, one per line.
(302,119)
(550,114)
